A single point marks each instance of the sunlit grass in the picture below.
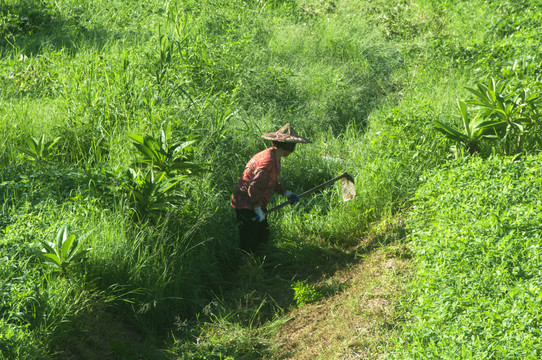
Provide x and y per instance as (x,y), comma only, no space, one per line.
(363,80)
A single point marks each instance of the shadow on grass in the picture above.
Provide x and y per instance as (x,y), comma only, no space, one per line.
(260,291)
(103,335)
(30,26)
(42,185)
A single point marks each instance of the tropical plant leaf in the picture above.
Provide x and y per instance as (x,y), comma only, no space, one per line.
(187,145)
(65,252)
(52,258)
(138,138)
(146,150)
(37,149)
(49,247)
(450,132)
(38,145)
(52,143)
(79,255)
(61,236)
(29,153)
(67,245)
(169,185)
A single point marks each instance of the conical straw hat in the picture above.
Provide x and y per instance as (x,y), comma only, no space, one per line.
(286,134)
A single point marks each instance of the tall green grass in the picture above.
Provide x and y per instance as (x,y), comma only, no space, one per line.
(363,80)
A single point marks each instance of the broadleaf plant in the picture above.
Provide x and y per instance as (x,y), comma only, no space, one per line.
(158,154)
(508,116)
(469,140)
(38,149)
(65,252)
(152,193)
(305,293)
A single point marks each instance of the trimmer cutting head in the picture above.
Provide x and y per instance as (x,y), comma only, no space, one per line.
(348,188)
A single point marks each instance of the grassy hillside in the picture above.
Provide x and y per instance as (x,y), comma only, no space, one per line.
(476,234)
(128,124)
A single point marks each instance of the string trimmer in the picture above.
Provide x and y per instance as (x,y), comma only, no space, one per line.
(348,190)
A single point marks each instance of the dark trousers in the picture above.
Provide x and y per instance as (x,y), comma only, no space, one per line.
(252,234)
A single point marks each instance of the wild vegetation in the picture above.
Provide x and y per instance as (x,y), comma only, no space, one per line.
(124,127)
(476,229)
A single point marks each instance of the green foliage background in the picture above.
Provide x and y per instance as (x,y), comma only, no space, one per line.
(365,80)
(476,231)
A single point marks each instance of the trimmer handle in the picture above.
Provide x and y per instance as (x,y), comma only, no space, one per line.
(309,191)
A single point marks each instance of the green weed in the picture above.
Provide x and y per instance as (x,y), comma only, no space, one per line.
(37,149)
(152,193)
(507,116)
(65,252)
(160,155)
(305,293)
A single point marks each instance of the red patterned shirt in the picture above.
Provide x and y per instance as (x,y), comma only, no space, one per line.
(259,181)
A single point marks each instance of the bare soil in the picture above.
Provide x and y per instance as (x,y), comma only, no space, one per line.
(356,323)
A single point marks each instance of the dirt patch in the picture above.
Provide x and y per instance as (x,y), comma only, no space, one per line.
(356,323)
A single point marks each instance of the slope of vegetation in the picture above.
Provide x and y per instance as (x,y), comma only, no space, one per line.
(477,237)
(125,126)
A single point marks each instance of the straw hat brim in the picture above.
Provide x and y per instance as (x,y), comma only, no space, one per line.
(286,138)
(286,134)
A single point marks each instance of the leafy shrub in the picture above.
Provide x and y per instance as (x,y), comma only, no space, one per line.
(508,116)
(152,189)
(152,193)
(165,155)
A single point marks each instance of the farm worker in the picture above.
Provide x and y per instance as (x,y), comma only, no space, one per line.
(258,183)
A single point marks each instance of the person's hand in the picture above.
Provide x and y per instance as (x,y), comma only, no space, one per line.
(293,198)
(260,215)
